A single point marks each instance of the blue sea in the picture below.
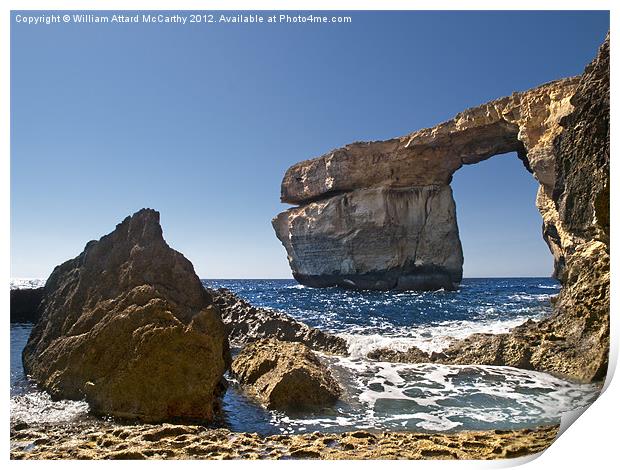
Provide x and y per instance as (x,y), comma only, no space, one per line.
(381,396)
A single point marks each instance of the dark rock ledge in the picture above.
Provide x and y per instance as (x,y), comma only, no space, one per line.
(247,323)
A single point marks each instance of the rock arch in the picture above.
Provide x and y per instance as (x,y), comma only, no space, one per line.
(380,215)
(564,130)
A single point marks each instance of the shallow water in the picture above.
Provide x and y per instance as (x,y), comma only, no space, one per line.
(382,395)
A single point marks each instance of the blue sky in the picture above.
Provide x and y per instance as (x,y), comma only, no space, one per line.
(200,122)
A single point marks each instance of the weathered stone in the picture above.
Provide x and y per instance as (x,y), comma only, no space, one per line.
(365,207)
(525,122)
(247,323)
(413,355)
(128,326)
(25,305)
(285,376)
(75,441)
(377,238)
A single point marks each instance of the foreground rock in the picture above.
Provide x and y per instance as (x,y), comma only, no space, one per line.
(574,341)
(111,441)
(247,323)
(128,326)
(25,305)
(380,215)
(285,376)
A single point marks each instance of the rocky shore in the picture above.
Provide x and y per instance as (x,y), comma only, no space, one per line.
(128,327)
(574,341)
(105,440)
(247,323)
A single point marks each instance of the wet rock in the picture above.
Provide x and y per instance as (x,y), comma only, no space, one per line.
(128,326)
(413,354)
(25,305)
(19,426)
(247,323)
(285,376)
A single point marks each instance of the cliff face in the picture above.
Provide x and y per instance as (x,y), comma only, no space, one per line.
(342,239)
(350,229)
(581,195)
(574,341)
(380,215)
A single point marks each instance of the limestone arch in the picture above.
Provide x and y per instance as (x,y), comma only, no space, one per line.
(381,215)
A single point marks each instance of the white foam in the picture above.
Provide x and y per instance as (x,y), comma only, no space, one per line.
(431,422)
(529,297)
(27,283)
(436,397)
(429,338)
(38,407)
(297,286)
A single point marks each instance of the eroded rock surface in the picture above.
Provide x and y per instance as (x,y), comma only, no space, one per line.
(574,341)
(112,441)
(285,376)
(247,323)
(377,238)
(128,326)
(380,215)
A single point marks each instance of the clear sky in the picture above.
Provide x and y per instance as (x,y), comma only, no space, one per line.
(201,121)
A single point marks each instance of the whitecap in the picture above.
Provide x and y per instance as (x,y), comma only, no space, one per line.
(428,338)
(38,407)
(27,283)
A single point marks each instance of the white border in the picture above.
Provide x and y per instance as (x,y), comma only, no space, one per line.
(591,443)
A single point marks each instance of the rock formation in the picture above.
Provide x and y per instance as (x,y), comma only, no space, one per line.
(128,326)
(377,238)
(246,323)
(380,215)
(85,440)
(285,376)
(574,341)
(25,305)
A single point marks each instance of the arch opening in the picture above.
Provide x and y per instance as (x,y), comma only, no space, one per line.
(499,225)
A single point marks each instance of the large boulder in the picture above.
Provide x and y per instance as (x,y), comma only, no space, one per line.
(128,326)
(285,376)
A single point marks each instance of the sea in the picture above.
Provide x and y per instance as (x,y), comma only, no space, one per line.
(378,396)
